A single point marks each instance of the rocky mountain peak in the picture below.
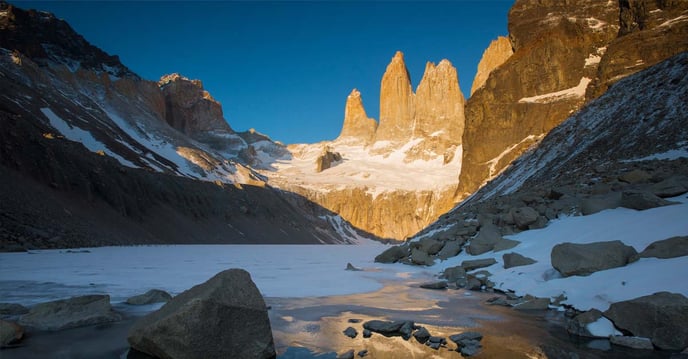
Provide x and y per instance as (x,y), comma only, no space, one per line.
(357,125)
(396,102)
(47,40)
(189,108)
(495,55)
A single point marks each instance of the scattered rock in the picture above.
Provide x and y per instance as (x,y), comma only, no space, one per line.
(422,335)
(442,284)
(578,324)
(524,216)
(516,260)
(421,258)
(347,355)
(435,342)
(452,274)
(456,338)
(429,245)
(485,241)
(10,333)
(584,259)
(151,296)
(631,342)
(11,309)
(470,265)
(504,244)
(670,187)
(392,254)
(225,317)
(642,200)
(327,159)
(473,283)
(635,176)
(367,333)
(450,249)
(363,353)
(533,303)
(470,348)
(354,320)
(350,332)
(668,248)
(70,313)
(468,343)
(600,203)
(351,267)
(662,317)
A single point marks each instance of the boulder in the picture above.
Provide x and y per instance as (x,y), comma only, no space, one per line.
(363,353)
(472,283)
(11,309)
(600,203)
(667,248)
(524,216)
(10,333)
(452,274)
(436,342)
(470,265)
(584,259)
(504,244)
(635,176)
(642,200)
(662,317)
(670,187)
(350,267)
(151,296)
(350,332)
(367,333)
(347,355)
(450,249)
(70,313)
(485,241)
(533,303)
(516,260)
(225,317)
(420,257)
(468,343)
(442,284)
(392,254)
(327,159)
(631,342)
(422,335)
(578,324)
(403,328)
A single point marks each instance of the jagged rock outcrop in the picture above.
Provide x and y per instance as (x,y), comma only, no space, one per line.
(396,102)
(327,159)
(357,125)
(496,54)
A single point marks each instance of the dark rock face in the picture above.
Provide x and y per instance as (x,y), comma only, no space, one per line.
(327,159)
(584,259)
(225,317)
(403,328)
(70,313)
(662,317)
(392,254)
(642,200)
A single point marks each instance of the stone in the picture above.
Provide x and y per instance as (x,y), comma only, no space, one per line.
(470,265)
(351,267)
(347,355)
(662,317)
(350,332)
(524,216)
(70,313)
(357,125)
(516,260)
(592,205)
(436,339)
(151,296)
(327,159)
(486,239)
(450,249)
(468,343)
(363,353)
(642,200)
(667,248)
(224,317)
(504,244)
(472,283)
(635,176)
(452,274)
(420,257)
(442,284)
(396,102)
(584,259)
(578,324)
(457,338)
(392,254)
(670,187)
(470,348)
(12,309)
(10,333)
(496,54)
(422,335)
(428,245)
(403,328)
(533,303)
(632,342)
(367,333)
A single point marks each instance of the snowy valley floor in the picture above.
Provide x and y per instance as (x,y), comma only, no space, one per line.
(313,297)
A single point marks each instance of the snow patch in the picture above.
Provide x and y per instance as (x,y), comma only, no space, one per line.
(573,92)
(674,21)
(592,60)
(602,328)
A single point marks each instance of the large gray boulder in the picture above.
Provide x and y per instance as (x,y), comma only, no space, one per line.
(667,248)
(419,257)
(392,254)
(642,200)
(485,241)
(524,216)
(584,259)
(578,325)
(670,187)
(662,317)
(516,260)
(452,274)
(592,205)
(403,328)
(70,313)
(225,317)
(470,265)
(450,249)
(150,297)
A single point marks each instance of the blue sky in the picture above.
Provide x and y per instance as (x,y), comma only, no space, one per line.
(285,68)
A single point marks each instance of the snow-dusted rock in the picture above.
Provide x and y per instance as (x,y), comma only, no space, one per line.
(450,249)
(70,313)
(452,274)
(524,216)
(662,317)
(224,317)
(599,203)
(584,259)
(582,324)
(420,257)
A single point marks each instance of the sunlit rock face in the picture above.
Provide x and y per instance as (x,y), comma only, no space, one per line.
(358,127)
(396,102)
(496,54)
